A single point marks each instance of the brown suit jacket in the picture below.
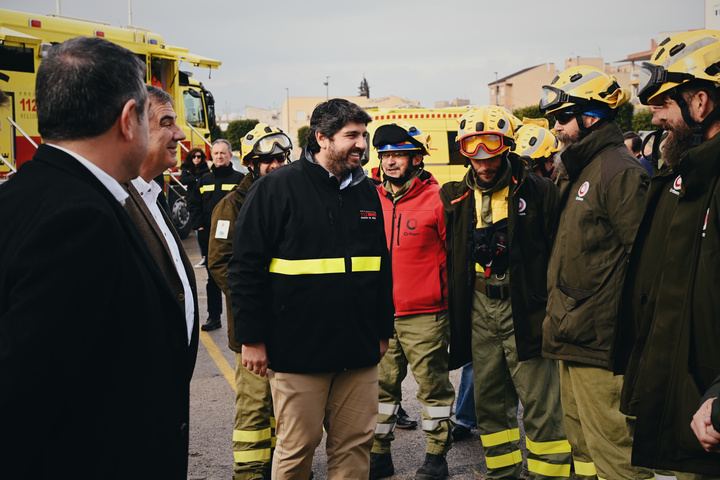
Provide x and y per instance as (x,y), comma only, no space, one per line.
(145,222)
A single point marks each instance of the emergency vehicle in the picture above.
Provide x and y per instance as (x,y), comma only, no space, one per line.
(445,161)
(25,40)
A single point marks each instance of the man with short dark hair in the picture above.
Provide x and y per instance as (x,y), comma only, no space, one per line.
(311,285)
(208,191)
(93,343)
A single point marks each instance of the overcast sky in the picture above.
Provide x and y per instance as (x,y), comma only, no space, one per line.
(423,50)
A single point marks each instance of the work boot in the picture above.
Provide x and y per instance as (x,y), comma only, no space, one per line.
(381,465)
(403,421)
(461,432)
(435,467)
(211,324)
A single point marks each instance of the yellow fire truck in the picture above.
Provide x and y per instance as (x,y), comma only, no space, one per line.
(25,40)
(445,162)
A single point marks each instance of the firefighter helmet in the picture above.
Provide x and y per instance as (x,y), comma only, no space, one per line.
(400,136)
(486,132)
(264,140)
(535,144)
(680,59)
(581,88)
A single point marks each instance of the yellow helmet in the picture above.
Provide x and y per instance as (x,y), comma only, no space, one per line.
(679,59)
(486,132)
(580,88)
(264,140)
(400,136)
(535,144)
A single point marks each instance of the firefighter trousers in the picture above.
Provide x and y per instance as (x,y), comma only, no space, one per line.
(422,342)
(254,432)
(500,380)
(601,436)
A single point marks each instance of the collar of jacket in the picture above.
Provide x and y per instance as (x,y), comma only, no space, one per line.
(699,166)
(223,171)
(578,155)
(412,188)
(358,173)
(516,174)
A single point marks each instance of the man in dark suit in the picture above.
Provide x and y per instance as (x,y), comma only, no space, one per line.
(152,221)
(94,373)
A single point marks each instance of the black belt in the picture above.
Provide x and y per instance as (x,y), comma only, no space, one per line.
(492,291)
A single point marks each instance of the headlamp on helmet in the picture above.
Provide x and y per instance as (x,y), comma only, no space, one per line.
(486,132)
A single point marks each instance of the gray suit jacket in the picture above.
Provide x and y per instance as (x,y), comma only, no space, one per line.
(145,222)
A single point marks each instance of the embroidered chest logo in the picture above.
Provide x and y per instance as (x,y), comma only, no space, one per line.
(582,191)
(707,214)
(676,186)
(411,226)
(368,215)
(522,205)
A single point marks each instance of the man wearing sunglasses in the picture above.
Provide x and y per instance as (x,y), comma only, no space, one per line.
(264,149)
(602,190)
(671,300)
(499,221)
(415,233)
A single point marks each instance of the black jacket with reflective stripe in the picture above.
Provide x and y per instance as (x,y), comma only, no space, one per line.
(312,278)
(209,190)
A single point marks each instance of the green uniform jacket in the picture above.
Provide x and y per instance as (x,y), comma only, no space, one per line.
(220,249)
(533,202)
(601,200)
(675,307)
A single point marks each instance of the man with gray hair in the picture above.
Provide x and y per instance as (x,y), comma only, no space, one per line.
(93,344)
(209,190)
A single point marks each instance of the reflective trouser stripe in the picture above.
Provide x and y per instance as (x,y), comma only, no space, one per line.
(548,469)
(226,187)
(498,438)
(388,408)
(252,436)
(586,469)
(512,458)
(247,456)
(437,415)
(548,448)
(314,266)
(384,428)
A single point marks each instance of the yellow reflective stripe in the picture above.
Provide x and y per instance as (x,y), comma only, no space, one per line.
(501,461)
(499,204)
(548,469)
(251,436)
(207,188)
(506,436)
(307,267)
(548,448)
(586,469)
(315,266)
(247,456)
(365,264)
(227,186)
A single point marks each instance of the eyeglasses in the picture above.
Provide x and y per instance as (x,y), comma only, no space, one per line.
(386,155)
(492,143)
(197,156)
(280,157)
(563,117)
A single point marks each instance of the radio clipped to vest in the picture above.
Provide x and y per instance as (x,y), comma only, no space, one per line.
(490,247)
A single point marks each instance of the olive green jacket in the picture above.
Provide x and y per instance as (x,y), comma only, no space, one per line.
(532,205)
(221,246)
(672,302)
(601,201)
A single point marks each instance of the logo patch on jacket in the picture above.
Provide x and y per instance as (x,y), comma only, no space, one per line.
(582,191)
(522,205)
(676,186)
(368,215)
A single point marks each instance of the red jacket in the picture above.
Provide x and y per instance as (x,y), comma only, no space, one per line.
(415,231)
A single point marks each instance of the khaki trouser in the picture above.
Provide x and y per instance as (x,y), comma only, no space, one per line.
(421,340)
(345,403)
(253,435)
(601,436)
(499,381)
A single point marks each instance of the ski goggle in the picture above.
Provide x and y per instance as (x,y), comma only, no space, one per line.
(553,98)
(652,77)
(492,143)
(267,145)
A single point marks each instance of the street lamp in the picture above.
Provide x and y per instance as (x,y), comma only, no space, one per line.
(327,89)
(287,89)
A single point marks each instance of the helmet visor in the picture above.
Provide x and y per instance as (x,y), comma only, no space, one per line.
(266,145)
(652,77)
(490,142)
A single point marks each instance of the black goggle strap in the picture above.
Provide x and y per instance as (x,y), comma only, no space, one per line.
(657,135)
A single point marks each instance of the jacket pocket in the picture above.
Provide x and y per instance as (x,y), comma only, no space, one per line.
(577,325)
